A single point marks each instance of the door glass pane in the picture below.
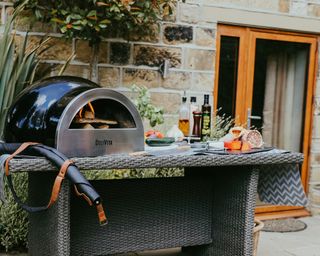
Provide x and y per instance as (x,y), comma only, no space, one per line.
(280,77)
(228,73)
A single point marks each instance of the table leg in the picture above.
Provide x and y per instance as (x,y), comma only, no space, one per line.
(49,231)
(233,211)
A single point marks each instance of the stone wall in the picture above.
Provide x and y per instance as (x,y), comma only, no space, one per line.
(188,41)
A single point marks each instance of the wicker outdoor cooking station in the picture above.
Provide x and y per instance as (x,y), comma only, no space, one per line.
(209,211)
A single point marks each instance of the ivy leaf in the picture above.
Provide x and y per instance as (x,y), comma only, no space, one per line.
(105,21)
(56,20)
(63,29)
(75,16)
(92,13)
(77,27)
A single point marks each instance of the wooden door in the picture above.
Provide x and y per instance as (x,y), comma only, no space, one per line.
(252,64)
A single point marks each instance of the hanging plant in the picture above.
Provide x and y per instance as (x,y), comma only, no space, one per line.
(92,20)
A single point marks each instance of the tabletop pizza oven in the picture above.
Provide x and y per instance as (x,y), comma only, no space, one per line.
(77,117)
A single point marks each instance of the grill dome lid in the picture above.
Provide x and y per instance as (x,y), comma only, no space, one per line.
(35,114)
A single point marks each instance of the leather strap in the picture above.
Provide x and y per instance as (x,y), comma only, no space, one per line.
(84,196)
(18,151)
(57,183)
(56,186)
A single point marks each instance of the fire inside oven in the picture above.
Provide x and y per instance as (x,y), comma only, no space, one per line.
(103,114)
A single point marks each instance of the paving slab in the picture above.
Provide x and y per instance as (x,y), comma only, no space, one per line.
(301,243)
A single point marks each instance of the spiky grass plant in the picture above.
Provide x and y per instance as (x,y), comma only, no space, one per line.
(18,64)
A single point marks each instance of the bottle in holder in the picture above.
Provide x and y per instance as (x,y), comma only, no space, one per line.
(184,117)
(206,119)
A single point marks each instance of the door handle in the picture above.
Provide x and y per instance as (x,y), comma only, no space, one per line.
(250,117)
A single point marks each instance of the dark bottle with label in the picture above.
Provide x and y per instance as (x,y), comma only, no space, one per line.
(206,119)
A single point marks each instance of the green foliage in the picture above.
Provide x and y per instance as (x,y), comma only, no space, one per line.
(146,108)
(134,173)
(221,126)
(92,19)
(18,65)
(14,220)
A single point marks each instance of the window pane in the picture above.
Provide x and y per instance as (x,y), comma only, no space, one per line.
(228,73)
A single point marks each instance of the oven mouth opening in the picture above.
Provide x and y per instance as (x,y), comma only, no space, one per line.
(102,114)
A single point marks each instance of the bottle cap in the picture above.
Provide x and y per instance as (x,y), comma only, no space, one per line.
(184,99)
(206,98)
(193,99)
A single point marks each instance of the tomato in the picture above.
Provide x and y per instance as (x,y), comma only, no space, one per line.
(159,135)
(149,133)
(233,145)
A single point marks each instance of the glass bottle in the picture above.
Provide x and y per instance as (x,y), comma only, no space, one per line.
(206,119)
(184,117)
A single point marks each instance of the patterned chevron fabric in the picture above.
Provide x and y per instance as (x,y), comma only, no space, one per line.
(281,185)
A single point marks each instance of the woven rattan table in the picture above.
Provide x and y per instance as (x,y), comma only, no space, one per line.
(209,211)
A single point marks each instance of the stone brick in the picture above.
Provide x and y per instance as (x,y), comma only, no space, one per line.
(317,106)
(205,37)
(46,70)
(109,77)
(315,145)
(55,49)
(83,51)
(177,80)
(152,37)
(200,59)
(119,53)
(317,94)
(315,210)
(314,175)
(248,4)
(177,34)
(189,13)
(169,101)
(145,77)
(203,82)
(314,198)
(314,10)
(316,127)
(58,49)
(26,21)
(170,18)
(154,56)
(284,6)
(234,3)
(299,8)
(103,52)
(73,70)
(315,158)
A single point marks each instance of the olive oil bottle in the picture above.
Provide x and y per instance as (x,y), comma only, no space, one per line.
(206,119)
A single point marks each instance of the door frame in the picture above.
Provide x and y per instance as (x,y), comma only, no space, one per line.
(245,82)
